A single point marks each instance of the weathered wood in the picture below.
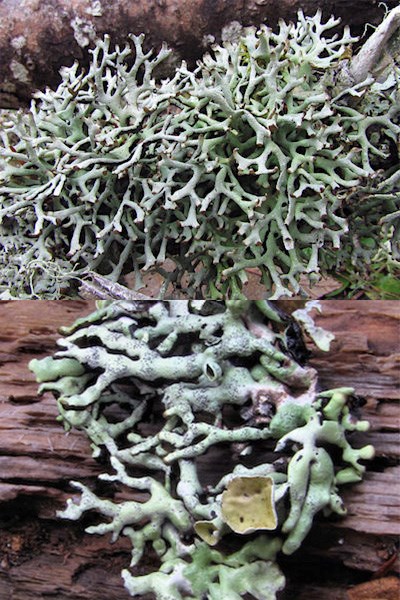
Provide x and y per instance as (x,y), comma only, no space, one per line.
(38,37)
(386,588)
(43,557)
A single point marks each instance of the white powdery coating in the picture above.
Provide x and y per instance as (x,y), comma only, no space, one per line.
(84,31)
(19,71)
(18,43)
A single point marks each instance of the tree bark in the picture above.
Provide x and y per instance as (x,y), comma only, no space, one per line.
(37,37)
(44,557)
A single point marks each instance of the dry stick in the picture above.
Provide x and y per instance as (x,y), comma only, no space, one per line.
(102,288)
(367,60)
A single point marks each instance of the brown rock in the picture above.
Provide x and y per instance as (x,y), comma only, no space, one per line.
(38,37)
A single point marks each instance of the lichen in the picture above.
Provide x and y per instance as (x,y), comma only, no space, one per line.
(247,504)
(156,386)
(253,160)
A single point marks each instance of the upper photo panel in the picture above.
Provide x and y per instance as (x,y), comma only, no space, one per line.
(194,149)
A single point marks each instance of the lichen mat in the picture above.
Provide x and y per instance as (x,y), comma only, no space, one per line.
(159,387)
(274,154)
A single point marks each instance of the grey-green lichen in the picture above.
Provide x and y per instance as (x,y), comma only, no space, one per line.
(249,161)
(156,386)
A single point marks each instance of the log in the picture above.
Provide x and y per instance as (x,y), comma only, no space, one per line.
(38,37)
(44,557)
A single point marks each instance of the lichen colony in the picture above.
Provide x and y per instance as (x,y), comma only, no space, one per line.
(268,156)
(161,387)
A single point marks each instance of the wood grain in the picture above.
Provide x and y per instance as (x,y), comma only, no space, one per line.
(43,557)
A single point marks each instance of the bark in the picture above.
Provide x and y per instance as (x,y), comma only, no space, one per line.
(37,37)
(43,557)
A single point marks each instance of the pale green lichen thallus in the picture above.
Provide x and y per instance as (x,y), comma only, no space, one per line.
(161,387)
(270,155)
